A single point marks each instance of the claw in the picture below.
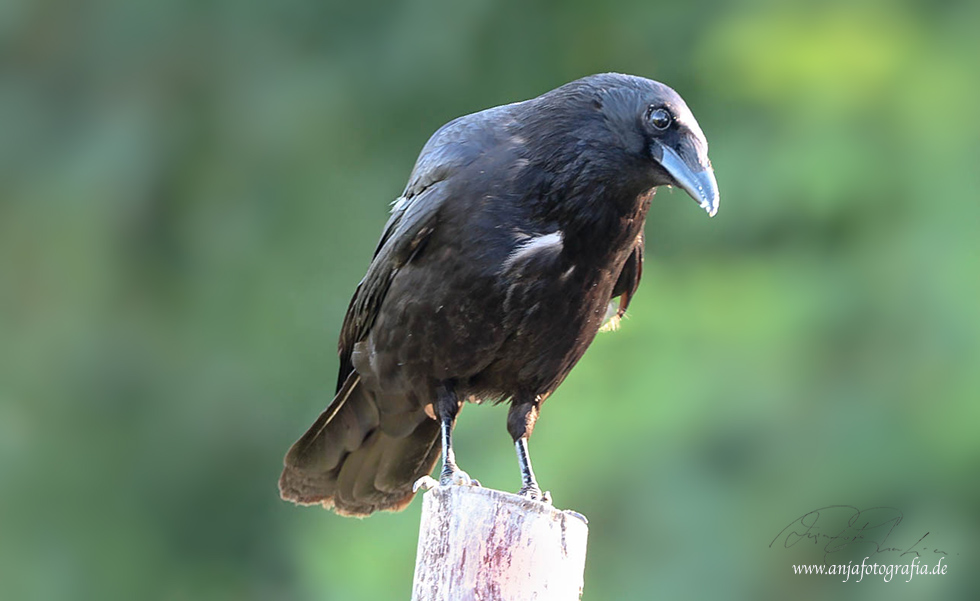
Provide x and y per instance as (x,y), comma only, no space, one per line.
(424,483)
(577,515)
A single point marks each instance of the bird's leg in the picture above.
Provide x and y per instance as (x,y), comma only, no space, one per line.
(446,407)
(520,423)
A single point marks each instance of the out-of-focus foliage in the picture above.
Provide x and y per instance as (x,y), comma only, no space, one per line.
(190,191)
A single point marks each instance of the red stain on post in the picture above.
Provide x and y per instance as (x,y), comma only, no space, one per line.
(485,545)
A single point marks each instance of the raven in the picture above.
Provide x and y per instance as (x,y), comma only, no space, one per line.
(518,228)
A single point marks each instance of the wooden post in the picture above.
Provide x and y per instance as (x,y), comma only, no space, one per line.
(479,544)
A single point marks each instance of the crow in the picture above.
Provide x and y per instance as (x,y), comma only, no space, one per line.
(520,227)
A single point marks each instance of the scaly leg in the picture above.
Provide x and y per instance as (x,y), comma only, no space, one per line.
(520,424)
(446,407)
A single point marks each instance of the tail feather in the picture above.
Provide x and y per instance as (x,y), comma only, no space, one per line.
(415,455)
(352,461)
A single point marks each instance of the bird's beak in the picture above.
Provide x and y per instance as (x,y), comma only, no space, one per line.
(697,180)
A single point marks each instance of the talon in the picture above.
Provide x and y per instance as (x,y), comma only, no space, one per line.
(577,515)
(424,483)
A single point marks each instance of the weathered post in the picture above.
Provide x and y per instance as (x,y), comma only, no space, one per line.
(486,545)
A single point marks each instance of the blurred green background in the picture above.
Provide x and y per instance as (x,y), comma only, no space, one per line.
(191,190)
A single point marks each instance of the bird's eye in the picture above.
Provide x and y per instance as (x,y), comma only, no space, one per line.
(660,118)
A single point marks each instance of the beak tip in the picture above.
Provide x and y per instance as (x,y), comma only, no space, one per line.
(708,190)
(710,207)
(700,185)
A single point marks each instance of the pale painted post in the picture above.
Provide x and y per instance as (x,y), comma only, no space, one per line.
(481,544)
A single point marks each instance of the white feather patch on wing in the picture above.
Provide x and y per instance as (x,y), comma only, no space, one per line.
(552,241)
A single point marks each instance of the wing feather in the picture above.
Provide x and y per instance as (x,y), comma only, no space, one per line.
(415,216)
(626,284)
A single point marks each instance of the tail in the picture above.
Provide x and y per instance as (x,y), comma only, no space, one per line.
(355,460)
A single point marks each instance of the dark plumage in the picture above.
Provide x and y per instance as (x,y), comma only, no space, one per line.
(519,225)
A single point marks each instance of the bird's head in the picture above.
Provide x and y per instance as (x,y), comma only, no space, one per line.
(651,123)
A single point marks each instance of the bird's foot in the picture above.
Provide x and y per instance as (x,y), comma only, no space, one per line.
(534,493)
(457,477)
(424,483)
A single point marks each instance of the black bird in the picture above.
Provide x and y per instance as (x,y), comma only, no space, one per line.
(519,226)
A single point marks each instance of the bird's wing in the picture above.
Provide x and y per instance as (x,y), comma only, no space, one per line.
(414,217)
(626,285)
